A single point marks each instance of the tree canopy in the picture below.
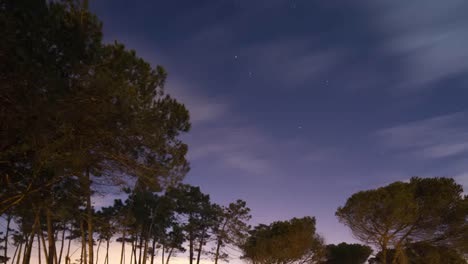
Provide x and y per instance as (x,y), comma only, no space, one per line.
(344,253)
(292,241)
(430,209)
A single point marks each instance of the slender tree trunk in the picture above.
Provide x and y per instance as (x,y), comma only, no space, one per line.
(135,244)
(39,256)
(107,252)
(67,258)
(14,254)
(140,246)
(30,241)
(83,243)
(145,251)
(200,246)
(62,245)
(123,248)
(218,247)
(153,250)
(132,250)
(191,247)
(46,254)
(169,256)
(97,251)
(50,237)
(7,234)
(89,210)
(162,254)
(19,254)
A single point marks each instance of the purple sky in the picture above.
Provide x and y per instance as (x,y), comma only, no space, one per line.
(297,104)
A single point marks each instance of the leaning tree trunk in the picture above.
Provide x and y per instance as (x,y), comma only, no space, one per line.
(62,245)
(19,254)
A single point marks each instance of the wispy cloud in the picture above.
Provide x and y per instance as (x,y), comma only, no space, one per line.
(202,108)
(436,137)
(428,38)
(291,62)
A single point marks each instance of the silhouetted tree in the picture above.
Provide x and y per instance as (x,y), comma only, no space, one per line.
(293,241)
(344,253)
(431,210)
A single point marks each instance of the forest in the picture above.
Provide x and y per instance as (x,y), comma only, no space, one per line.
(80,118)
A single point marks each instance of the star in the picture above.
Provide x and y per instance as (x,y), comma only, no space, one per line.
(235,57)
(300,127)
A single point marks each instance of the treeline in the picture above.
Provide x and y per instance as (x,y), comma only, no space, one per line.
(75,111)
(146,224)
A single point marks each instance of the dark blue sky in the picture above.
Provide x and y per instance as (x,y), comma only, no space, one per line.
(297,104)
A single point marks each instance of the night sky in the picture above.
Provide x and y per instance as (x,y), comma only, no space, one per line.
(297,104)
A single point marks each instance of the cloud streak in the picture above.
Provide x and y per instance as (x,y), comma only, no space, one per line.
(428,38)
(437,137)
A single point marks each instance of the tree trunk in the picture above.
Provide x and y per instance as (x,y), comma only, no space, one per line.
(107,252)
(200,246)
(145,251)
(30,241)
(62,245)
(162,255)
(141,246)
(84,257)
(97,251)
(384,252)
(50,237)
(89,210)
(16,252)
(152,250)
(218,247)
(123,248)
(6,235)
(46,254)
(39,256)
(19,254)
(67,257)
(191,247)
(169,256)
